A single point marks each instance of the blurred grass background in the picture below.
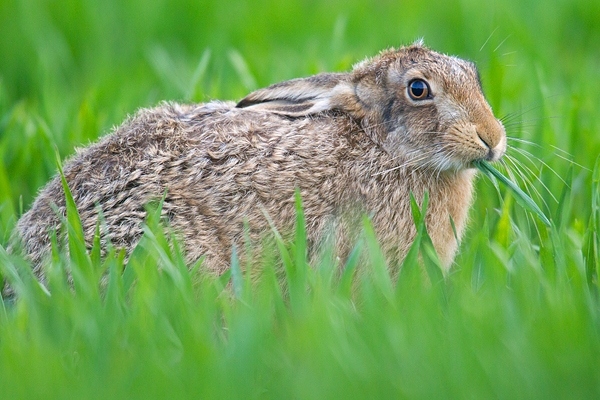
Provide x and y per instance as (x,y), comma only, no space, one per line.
(521,316)
(71,70)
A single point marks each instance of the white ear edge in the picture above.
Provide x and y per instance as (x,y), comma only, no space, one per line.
(299,100)
(320,105)
(291,108)
(296,93)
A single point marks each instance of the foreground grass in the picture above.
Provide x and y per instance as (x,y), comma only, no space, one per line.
(490,330)
(517,317)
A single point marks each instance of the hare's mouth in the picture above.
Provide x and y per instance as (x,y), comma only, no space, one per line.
(496,152)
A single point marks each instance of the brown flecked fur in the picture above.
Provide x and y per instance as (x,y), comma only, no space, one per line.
(351,142)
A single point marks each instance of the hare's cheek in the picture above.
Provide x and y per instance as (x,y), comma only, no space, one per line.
(464,146)
(423,121)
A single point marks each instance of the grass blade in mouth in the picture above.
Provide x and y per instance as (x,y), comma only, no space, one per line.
(522,198)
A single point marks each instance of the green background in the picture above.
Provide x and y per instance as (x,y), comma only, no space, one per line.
(518,315)
(71,70)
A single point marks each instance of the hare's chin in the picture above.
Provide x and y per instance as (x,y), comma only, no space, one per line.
(448,164)
(455,164)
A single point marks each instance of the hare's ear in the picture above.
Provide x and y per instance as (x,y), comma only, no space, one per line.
(300,97)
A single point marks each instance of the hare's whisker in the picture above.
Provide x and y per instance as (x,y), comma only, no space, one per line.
(516,164)
(502,42)
(528,157)
(408,163)
(520,140)
(530,120)
(488,39)
(572,162)
(527,153)
(526,183)
(557,149)
(516,114)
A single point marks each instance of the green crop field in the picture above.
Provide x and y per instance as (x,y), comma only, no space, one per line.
(518,316)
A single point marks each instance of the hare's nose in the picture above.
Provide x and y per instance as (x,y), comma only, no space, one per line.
(491,132)
(495,151)
(493,136)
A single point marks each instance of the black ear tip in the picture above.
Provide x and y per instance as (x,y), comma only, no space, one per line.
(244,103)
(249,100)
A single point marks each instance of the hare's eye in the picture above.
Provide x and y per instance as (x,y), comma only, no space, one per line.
(418,90)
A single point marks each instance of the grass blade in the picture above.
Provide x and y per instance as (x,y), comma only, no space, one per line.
(520,196)
(236,274)
(241,67)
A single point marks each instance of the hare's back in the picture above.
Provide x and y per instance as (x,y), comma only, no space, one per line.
(215,165)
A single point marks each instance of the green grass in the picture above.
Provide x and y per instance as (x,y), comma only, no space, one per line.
(517,317)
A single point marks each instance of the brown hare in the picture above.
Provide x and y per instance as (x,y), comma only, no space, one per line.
(407,120)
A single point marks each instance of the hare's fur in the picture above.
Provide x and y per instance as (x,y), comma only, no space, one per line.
(352,143)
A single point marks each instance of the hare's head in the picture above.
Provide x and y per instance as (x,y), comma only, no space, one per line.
(424,108)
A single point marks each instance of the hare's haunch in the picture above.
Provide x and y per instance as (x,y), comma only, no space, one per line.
(406,120)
